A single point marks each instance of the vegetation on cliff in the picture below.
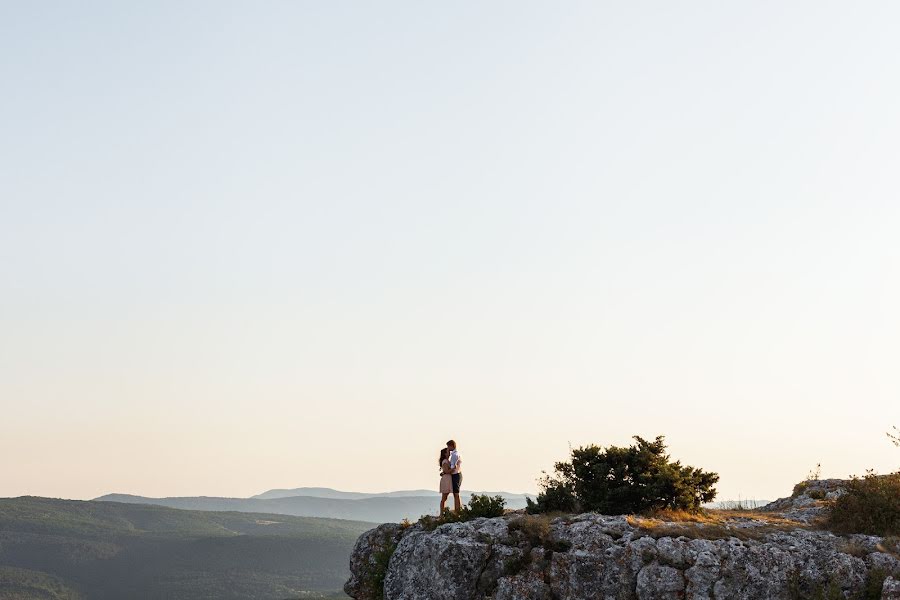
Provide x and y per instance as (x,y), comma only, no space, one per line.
(650,540)
(869,504)
(480,505)
(624,480)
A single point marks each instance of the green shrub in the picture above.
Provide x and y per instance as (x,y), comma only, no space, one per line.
(479,506)
(619,480)
(484,506)
(870,505)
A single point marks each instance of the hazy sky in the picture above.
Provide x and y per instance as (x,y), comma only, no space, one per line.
(247,245)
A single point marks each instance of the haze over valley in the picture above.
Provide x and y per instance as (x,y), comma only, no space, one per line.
(320,502)
(70,549)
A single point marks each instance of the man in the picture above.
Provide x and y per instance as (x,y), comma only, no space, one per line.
(455,474)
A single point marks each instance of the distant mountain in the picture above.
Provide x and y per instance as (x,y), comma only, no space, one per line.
(67,550)
(378,509)
(320,492)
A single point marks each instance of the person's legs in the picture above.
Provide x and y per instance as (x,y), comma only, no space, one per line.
(457,482)
(443,504)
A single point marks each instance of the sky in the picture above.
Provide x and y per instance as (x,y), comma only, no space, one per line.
(254,245)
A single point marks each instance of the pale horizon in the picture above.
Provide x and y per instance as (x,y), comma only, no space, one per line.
(278,245)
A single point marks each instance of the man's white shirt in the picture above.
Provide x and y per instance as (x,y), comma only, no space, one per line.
(455,462)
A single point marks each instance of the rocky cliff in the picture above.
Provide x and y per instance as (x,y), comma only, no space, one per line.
(766,556)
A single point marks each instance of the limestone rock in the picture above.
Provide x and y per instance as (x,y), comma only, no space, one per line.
(891,589)
(592,556)
(657,582)
(370,558)
(809,502)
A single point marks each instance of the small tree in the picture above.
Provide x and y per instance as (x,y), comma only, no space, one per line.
(619,480)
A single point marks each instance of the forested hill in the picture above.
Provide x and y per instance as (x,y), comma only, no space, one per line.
(106,550)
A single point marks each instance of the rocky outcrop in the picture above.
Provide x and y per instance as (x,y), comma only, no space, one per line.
(519,557)
(369,561)
(809,501)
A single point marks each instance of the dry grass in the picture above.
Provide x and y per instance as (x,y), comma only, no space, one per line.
(712,524)
(684,516)
(890,545)
(535,531)
(854,548)
(718,516)
(771,518)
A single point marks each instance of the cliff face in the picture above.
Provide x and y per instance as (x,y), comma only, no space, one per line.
(588,556)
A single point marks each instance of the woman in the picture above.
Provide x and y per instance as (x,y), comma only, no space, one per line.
(446,479)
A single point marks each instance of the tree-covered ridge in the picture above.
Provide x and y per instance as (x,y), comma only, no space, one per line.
(104,550)
(38,515)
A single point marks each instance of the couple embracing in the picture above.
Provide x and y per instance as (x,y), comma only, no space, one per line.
(451,476)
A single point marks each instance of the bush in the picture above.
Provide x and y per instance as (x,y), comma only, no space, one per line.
(479,506)
(618,481)
(484,506)
(870,505)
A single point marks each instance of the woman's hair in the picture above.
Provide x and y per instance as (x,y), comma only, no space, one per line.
(444,454)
